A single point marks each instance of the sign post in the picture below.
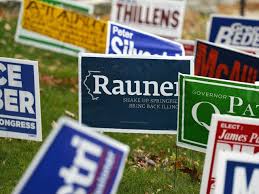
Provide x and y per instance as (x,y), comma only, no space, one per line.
(242,7)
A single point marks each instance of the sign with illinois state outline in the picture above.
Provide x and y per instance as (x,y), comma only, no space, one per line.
(130,94)
(75,159)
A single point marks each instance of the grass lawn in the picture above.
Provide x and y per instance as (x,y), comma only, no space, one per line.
(155,164)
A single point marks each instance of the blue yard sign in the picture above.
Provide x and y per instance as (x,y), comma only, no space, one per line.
(75,159)
(128,41)
(238,173)
(130,93)
(239,32)
(20,115)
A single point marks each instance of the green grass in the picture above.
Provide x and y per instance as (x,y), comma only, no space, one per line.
(167,176)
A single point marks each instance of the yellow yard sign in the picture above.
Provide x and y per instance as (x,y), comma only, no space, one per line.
(65,25)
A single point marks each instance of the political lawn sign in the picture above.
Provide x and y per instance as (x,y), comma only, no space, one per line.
(238,173)
(130,94)
(228,133)
(128,41)
(237,31)
(60,26)
(188,45)
(20,114)
(212,60)
(75,159)
(63,26)
(164,17)
(200,97)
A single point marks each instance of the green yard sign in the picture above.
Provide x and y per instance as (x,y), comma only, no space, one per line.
(200,97)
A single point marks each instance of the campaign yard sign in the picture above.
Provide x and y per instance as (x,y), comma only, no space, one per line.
(128,41)
(60,26)
(212,60)
(188,45)
(235,31)
(228,133)
(20,114)
(238,173)
(75,159)
(130,94)
(200,97)
(64,26)
(163,17)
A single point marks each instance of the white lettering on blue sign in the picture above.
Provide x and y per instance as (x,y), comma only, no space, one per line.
(240,184)
(127,46)
(239,35)
(19,99)
(79,161)
(128,41)
(14,100)
(73,175)
(121,87)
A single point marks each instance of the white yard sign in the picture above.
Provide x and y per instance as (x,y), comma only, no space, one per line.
(161,17)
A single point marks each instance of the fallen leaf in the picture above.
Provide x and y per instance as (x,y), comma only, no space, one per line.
(193,172)
(52,81)
(150,162)
(18,56)
(53,124)
(7,27)
(68,113)
(3,41)
(170,186)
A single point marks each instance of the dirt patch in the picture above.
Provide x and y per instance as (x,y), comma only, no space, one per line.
(53,81)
